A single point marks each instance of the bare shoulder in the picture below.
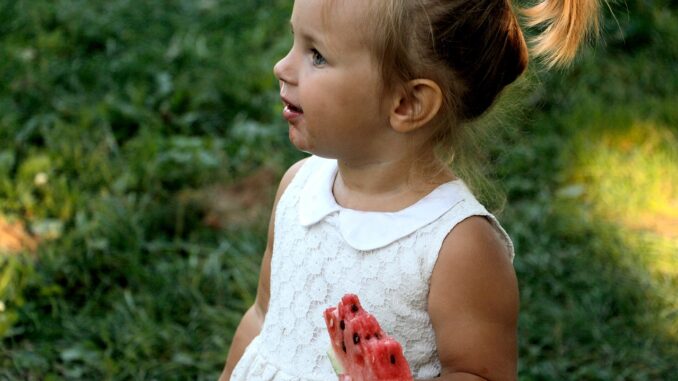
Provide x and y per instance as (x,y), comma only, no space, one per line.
(474,244)
(474,303)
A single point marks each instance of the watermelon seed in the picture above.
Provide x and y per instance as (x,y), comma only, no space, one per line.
(354,308)
(356,338)
(392,359)
(342,325)
(343,346)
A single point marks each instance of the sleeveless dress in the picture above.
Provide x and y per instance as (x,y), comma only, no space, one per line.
(322,251)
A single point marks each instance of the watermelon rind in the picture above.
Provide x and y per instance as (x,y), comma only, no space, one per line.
(336,364)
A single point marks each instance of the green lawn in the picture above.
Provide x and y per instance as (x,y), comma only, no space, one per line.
(132,141)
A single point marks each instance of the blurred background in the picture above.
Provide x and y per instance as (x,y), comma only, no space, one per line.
(141,145)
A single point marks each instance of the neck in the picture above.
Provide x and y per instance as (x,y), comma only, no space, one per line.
(388,184)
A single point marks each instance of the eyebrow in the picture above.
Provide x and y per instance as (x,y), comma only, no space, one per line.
(306,36)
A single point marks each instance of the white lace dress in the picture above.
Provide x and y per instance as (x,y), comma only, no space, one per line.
(323,251)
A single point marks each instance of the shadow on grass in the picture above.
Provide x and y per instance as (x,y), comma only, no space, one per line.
(590,309)
(598,282)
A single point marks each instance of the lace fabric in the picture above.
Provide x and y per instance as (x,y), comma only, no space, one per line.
(313,266)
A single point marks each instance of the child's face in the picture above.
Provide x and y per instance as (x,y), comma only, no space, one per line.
(330,81)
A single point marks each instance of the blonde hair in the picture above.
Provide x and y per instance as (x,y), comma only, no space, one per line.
(473,49)
(568,23)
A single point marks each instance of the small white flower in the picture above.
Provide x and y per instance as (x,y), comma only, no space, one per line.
(40,179)
(27,55)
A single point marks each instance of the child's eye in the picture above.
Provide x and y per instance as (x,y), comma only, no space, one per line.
(318,59)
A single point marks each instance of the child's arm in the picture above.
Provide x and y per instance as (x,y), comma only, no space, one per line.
(251,322)
(473,304)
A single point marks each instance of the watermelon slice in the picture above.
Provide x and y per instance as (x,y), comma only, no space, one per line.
(361,347)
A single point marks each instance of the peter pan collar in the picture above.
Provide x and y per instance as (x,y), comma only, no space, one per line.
(364,230)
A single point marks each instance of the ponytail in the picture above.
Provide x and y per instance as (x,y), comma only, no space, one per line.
(566,24)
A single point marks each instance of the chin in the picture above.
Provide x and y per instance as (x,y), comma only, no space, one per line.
(300,143)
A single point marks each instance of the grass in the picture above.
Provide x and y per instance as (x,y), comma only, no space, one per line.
(123,128)
(599,278)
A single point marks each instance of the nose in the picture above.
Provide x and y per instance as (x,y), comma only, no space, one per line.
(283,69)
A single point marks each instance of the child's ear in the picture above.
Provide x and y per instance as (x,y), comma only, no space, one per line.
(415,104)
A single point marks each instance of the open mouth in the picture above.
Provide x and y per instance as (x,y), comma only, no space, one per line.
(291,112)
(291,107)
(294,108)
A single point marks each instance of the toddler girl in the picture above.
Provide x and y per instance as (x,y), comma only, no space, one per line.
(377,91)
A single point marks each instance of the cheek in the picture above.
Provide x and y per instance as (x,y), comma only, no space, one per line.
(321,102)
(332,98)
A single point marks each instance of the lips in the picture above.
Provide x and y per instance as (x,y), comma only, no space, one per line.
(291,110)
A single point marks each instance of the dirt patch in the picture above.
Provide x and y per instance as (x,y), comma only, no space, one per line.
(245,202)
(15,238)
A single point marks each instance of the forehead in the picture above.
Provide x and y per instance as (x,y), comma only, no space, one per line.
(336,22)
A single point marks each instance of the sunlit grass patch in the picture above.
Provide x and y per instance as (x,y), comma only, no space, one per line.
(622,175)
(627,172)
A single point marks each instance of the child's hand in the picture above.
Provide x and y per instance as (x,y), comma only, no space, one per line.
(344,377)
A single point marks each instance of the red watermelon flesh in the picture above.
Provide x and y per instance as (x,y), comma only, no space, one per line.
(366,352)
